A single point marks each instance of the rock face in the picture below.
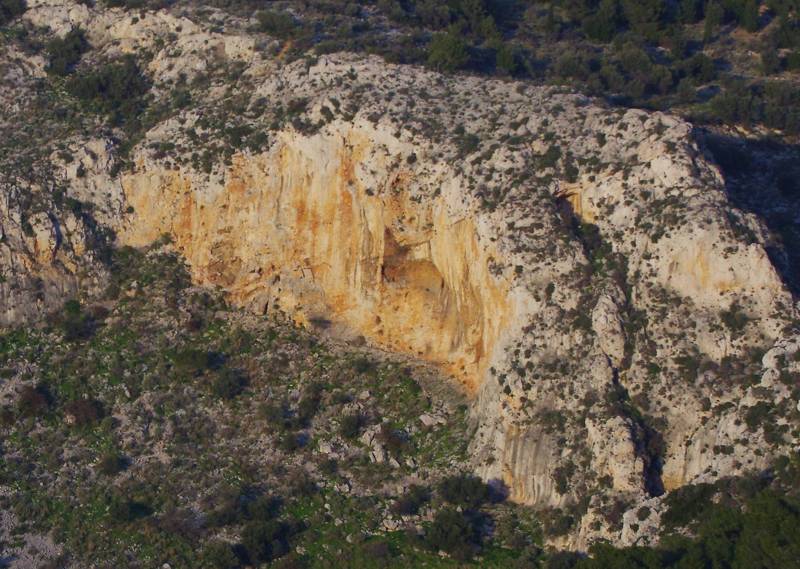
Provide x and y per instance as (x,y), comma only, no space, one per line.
(325,228)
(579,269)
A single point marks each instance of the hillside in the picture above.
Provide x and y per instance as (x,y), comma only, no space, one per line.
(290,305)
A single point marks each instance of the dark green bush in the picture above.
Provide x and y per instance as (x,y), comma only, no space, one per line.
(453,533)
(228,383)
(265,540)
(33,401)
(350,426)
(84,411)
(10,9)
(278,24)
(464,490)
(448,51)
(192,361)
(409,503)
(309,403)
(75,323)
(64,53)
(117,89)
(219,555)
(111,463)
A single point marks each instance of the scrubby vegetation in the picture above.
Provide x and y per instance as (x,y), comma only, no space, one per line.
(737,523)
(140,424)
(718,61)
(171,419)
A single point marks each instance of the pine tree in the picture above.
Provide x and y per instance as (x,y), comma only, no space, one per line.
(749,19)
(714,15)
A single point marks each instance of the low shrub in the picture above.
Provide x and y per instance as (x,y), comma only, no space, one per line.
(464,490)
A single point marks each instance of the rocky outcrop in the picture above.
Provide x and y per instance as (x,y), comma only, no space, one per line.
(325,229)
(577,268)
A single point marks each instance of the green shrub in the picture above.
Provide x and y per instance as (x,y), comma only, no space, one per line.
(452,533)
(192,361)
(265,540)
(219,555)
(111,463)
(350,425)
(33,401)
(64,53)
(84,411)
(735,319)
(602,24)
(395,441)
(364,365)
(309,403)
(278,24)
(228,383)
(117,89)
(464,490)
(10,9)
(409,503)
(75,323)
(448,51)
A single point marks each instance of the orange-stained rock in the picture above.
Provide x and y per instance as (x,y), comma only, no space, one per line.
(298,229)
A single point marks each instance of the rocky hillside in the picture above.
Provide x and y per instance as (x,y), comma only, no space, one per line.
(581,273)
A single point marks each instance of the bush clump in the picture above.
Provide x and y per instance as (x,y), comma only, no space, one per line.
(10,9)
(350,426)
(75,323)
(278,24)
(228,383)
(464,490)
(65,53)
(34,401)
(83,412)
(111,463)
(452,532)
(117,89)
(410,503)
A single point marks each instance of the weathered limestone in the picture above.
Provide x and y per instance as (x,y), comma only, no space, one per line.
(440,217)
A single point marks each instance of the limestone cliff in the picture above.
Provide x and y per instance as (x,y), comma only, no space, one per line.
(325,229)
(579,269)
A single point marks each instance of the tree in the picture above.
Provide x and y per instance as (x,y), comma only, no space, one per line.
(644,16)
(504,59)
(452,533)
(750,16)
(602,25)
(64,53)
(10,9)
(448,51)
(690,11)
(278,24)
(714,13)
(464,490)
(770,61)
